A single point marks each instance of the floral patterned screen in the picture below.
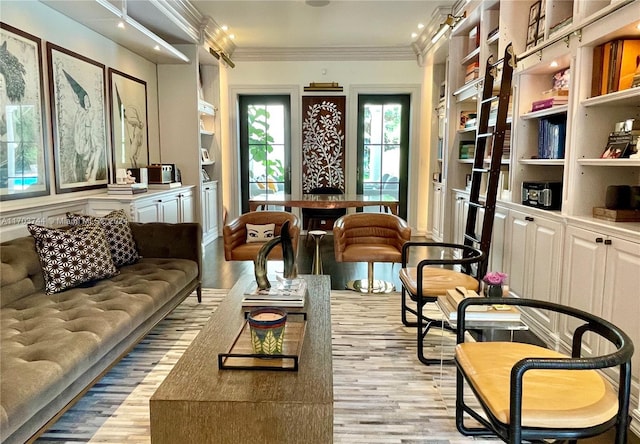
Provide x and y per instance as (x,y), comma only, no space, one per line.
(323,128)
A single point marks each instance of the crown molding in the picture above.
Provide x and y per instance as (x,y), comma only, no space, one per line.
(258,54)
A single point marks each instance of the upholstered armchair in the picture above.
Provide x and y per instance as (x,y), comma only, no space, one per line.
(239,246)
(370,237)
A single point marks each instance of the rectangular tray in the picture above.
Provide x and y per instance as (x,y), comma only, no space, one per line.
(241,357)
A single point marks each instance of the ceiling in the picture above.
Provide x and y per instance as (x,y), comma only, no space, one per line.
(267,29)
(341,23)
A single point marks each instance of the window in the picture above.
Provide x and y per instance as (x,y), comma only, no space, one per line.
(264,146)
(383,147)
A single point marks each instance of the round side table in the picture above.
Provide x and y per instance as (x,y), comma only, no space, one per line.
(317,236)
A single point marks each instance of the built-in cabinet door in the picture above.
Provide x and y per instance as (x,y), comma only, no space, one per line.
(186,207)
(496,251)
(437,220)
(583,278)
(147,212)
(169,209)
(460,209)
(622,292)
(535,253)
(210,208)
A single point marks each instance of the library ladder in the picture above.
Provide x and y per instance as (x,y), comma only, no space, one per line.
(494,140)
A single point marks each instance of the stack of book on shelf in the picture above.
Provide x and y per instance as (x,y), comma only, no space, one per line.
(615,66)
(283,293)
(165,186)
(467,149)
(126,188)
(468,119)
(551,137)
(550,98)
(472,72)
(506,146)
(487,313)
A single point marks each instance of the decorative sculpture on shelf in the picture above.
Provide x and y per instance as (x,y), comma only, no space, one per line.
(288,255)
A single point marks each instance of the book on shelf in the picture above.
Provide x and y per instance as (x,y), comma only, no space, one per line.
(282,293)
(549,102)
(615,66)
(127,192)
(551,137)
(164,186)
(467,149)
(468,119)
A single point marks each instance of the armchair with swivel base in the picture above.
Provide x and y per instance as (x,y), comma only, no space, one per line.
(428,281)
(370,237)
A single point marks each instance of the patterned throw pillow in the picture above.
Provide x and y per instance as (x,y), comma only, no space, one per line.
(118,232)
(71,256)
(260,233)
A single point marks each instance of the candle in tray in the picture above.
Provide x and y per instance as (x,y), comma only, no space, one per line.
(267,330)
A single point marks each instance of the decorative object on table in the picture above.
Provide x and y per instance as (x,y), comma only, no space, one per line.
(494,280)
(78,110)
(267,330)
(288,256)
(129,128)
(23,86)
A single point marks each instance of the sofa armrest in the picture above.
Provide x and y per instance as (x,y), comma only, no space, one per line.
(163,240)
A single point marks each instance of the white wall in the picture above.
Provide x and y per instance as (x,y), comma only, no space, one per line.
(357,77)
(49,25)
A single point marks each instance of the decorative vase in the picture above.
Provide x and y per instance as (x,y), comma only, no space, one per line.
(494,291)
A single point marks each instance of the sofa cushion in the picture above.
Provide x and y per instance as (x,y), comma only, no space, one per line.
(260,233)
(117,231)
(71,256)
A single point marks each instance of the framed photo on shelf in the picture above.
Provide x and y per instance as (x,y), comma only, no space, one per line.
(204,155)
(534,13)
(532,33)
(24,168)
(615,150)
(79,120)
(129,128)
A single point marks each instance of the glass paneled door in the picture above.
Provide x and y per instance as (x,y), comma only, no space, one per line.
(265,146)
(383,148)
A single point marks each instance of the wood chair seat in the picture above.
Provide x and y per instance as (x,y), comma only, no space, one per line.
(551,398)
(435,281)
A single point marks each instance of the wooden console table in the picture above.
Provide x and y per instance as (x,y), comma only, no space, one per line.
(324,201)
(197,402)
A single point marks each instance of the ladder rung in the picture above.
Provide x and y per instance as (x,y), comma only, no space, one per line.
(484,135)
(499,62)
(490,99)
(476,204)
(480,170)
(472,238)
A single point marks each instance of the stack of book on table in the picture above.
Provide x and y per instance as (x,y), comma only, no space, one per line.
(489,313)
(126,188)
(283,293)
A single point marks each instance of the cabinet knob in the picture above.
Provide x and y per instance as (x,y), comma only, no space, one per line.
(607,242)
(528,218)
(599,240)
(159,201)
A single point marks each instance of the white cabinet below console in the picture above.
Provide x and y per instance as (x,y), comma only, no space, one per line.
(209,211)
(171,206)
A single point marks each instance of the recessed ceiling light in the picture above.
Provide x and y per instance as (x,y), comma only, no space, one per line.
(414,35)
(420,26)
(224,28)
(553,64)
(232,36)
(157,47)
(121,25)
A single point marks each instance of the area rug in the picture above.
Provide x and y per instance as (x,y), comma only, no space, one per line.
(382,394)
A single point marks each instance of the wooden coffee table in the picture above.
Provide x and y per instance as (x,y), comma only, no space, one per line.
(197,402)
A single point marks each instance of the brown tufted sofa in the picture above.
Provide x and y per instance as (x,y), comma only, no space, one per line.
(55,346)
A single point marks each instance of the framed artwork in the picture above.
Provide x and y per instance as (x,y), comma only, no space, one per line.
(79,120)
(323,144)
(204,155)
(129,126)
(23,157)
(532,34)
(615,150)
(534,13)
